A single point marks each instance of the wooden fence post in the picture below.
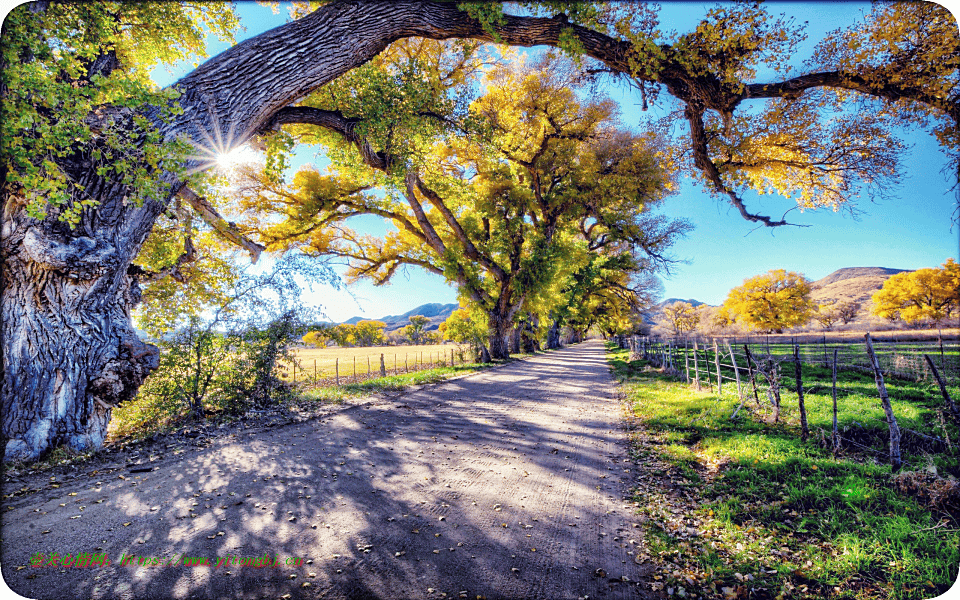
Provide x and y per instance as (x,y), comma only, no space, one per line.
(368,364)
(887,409)
(804,430)
(383,367)
(836,435)
(354,367)
(686,360)
(337,367)
(716,358)
(406,365)
(696,366)
(315,379)
(940,342)
(706,365)
(753,376)
(943,391)
(736,370)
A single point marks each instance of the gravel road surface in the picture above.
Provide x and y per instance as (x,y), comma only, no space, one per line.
(509,483)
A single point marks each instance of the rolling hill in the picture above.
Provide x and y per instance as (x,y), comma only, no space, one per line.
(437,313)
(853,284)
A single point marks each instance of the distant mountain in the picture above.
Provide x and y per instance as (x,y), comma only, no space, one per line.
(655,314)
(437,313)
(853,284)
(854,272)
(691,302)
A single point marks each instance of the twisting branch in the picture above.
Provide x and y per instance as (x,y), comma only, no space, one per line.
(225,228)
(701,159)
(469,249)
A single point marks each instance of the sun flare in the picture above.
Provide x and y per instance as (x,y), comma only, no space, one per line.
(239,156)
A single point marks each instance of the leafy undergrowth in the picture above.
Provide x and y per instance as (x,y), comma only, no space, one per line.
(744,509)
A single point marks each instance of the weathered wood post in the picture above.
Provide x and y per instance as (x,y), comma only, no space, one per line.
(943,391)
(368,364)
(736,370)
(836,435)
(383,367)
(716,358)
(753,376)
(406,365)
(336,365)
(895,461)
(804,430)
(940,342)
(354,366)
(315,378)
(696,365)
(706,365)
(686,360)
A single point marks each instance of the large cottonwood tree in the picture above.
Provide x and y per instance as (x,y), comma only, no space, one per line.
(77,206)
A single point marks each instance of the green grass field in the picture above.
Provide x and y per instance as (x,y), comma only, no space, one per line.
(776,517)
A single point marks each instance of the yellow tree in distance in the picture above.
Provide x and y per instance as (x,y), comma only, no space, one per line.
(922,295)
(682,316)
(772,302)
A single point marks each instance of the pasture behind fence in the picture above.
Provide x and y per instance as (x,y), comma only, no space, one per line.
(382,362)
(748,365)
(903,359)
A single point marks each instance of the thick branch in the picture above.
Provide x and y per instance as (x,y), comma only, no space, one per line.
(228,230)
(332,121)
(469,249)
(701,158)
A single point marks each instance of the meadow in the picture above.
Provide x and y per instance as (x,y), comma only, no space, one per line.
(323,363)
(745,508)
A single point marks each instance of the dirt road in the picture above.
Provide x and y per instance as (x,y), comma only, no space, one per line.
(504,484)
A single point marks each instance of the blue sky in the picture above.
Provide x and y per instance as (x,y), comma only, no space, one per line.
(909,231)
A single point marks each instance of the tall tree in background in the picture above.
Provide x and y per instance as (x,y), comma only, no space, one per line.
(923,295)
(415,330)
(494,204)
(87,176)
(682,316)
(774,301)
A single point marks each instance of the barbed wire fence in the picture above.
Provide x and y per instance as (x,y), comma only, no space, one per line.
(751,366)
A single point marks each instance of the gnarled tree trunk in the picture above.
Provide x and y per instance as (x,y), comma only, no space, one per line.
(553,335)
(497,329)
(70,353)
(515,339)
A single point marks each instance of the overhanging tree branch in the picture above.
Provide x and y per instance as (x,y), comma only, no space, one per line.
(225,228)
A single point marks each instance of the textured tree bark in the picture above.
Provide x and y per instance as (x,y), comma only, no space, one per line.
(553,335)
(530,342)
(515,339)
(70,353)
(498,327)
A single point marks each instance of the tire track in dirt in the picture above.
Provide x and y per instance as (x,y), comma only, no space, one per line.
(503,484)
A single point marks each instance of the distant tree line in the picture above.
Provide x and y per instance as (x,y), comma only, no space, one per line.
(780,300)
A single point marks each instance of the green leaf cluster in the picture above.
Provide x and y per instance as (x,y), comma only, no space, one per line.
(77,96)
